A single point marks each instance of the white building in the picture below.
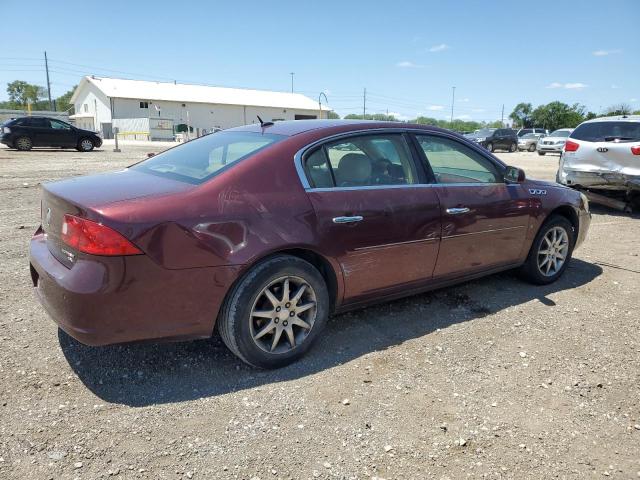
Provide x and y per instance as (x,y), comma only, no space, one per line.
(156,110)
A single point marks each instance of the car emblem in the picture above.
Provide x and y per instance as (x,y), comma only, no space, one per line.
(47,218)
(603,149)
(537,191)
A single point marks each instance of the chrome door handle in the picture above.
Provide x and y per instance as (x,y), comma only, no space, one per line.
(352,219)
(457,211)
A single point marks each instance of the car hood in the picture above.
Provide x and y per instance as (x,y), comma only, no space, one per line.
(107,188)
(554,139)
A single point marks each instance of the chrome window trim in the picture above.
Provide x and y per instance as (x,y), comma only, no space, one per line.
(395,244)
(299,155)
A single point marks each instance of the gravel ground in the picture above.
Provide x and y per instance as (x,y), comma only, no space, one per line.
(490,379)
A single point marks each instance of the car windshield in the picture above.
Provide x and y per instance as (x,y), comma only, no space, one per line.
(531,135)
(560,133)
(199,160)
(607,131)
(485,132)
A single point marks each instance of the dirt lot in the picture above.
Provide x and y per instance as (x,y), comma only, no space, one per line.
(491,379)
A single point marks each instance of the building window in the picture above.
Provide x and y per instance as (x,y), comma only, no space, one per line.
(144,104)
(86,108)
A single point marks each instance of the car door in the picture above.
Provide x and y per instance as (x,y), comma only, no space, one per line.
(375,214)
(60,134)
(484,219)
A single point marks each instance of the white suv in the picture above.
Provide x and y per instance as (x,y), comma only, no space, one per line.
(603,154)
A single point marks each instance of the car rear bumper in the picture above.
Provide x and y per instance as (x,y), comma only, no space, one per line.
(601,180)
(106,300)
(584,221)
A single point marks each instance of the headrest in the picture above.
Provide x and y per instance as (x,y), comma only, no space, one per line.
(354,168)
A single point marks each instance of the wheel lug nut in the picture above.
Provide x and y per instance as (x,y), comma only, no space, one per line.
(287,305)
(278,309)
(291,314)
(276,320)
(285,323)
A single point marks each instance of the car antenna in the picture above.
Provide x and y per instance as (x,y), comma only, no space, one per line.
(264,124)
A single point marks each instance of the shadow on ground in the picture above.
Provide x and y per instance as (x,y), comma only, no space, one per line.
(146,374)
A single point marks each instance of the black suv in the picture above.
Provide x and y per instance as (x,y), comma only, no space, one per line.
(28,132)
(497,139)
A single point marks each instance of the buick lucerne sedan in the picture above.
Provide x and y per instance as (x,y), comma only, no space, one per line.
(264,231)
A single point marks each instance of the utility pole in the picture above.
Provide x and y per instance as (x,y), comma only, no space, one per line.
(502,118)
(46,67)
(364,105)
(292,74)
(453,99)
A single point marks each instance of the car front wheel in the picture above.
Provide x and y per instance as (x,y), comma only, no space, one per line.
(85,145)
(532,148)
(23,143)
(490,146)
(550,252)
(275,312)
(513,147)
(541,153)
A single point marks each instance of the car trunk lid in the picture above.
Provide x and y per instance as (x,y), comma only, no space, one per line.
(603,157)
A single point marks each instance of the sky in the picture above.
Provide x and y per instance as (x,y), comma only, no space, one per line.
(407,54)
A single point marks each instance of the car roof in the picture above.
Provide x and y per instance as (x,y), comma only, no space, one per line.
(616,118)
(295,127)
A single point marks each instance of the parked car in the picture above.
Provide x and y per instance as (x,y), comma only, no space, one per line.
(529,141)
(603,155)
(524,131)
(497,139)
(28,132)
(264,231)
(554,143)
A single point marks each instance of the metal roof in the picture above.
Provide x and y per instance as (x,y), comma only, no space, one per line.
(186,93)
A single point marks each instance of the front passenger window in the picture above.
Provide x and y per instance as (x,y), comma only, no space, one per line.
(453,162)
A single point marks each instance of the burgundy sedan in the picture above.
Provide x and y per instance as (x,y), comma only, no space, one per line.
(265,231)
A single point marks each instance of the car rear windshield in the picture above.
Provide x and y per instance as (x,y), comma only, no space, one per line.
(560,133)
(199,160)
(607,131)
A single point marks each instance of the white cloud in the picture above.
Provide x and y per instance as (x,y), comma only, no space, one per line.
(399,116)
(465,100)
(614,86)
(408,64)
(478,110)
(435,108)
(633,100)
(463,117)
(604,53)
(568,86)
(439,48)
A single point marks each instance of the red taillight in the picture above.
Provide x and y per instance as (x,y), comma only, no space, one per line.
(571,146)
(635,150)
(94,238)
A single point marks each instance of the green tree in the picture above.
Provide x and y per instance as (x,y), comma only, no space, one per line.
(556,115)
(22,93)
(380,117)
(333,115)
(620,109)
(521,114)
(63,102)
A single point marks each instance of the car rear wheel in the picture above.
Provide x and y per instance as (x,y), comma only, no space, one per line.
(541,153)
(275,312)
(532,147)
(550,252)
(23,143)
(490,146)
(85,145)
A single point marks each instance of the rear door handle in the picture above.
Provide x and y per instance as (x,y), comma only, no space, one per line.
(351,219)
(457,211)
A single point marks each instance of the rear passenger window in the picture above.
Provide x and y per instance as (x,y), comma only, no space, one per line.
(368,160)
(453,162)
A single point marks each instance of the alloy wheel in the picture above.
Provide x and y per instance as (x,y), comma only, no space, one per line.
(23,143)
(86,145)
(283,315)
(553,251)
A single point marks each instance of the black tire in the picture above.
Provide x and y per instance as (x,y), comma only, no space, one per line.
(235,320)
(23,144)
(85,145)
(513,147)
(541,153)
(530,271)
(532,147)
(490,146)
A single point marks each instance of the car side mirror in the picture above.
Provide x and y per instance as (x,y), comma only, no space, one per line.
(514,175)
